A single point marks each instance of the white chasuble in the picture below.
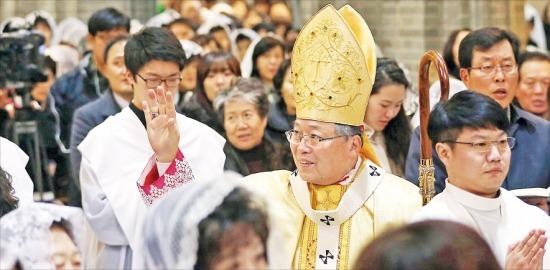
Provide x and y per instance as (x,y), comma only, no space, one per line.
(367,207)
(114,155)
(328,244)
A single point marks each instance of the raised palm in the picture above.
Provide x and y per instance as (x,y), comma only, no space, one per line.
(162,128)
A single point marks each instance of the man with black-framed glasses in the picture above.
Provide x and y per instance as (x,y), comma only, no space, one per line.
(488,65)
(116,195)
(469,134)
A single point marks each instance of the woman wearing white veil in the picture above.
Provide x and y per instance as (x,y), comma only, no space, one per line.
(537,36)
(207,225)
(43,236)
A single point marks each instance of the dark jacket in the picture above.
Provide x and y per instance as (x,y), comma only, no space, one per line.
(85,119)
(198,107)
(279,121)
(74,89)
(529,164)
(270,156)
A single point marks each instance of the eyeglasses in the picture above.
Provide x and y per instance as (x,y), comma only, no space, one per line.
(153,83)
(488,70)
(313,141)
(485,146)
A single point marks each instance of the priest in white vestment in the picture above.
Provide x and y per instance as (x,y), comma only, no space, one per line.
(115,193)
(469,135)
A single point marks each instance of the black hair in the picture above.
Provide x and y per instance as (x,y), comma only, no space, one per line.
(153,43)
(280,76)
(263,46)
(430,245)
(41,20)
(237,208)
(397,133)
(182,21)
(241,37)
(466,109)
(107,19)
(204,40)
(448,55)
(484,39)
(50,64)
(215,61)
(268,27)
(123,37)
(8,201)
(532,56)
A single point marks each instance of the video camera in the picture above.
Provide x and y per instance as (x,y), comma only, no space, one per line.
(21,60)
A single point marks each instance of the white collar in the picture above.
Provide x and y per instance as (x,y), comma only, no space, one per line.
(120,101)
(473,201)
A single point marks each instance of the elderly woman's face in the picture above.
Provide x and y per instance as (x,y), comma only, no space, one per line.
(65,254)
(243,124)
(269,62)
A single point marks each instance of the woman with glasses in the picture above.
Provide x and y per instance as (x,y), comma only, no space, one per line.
(242,110)
(214,71)
(385,121)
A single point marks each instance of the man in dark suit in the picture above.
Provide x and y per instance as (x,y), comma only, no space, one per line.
(92,114)
(488,65)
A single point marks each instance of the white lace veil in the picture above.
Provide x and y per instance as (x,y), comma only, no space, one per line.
(171,233)
(26,233)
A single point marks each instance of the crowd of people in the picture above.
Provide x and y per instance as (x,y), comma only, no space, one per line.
(217,135)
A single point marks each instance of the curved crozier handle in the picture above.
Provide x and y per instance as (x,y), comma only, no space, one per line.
(423,92)
(426,176)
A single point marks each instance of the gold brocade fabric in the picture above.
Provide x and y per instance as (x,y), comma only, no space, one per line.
(323,198)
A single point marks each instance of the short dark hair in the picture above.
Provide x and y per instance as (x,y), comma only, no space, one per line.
(466,109)
(238,208)
(123,37)
(448,55)
(484,39)
(432,244)
(532,56)
(107,19)
(268,27)
(153,43)
(263,46)
(397,133)
(183,21)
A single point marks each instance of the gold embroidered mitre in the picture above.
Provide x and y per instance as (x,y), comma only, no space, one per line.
(333,65)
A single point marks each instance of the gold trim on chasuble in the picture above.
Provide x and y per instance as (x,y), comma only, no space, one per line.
(322,204)
(324,198)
